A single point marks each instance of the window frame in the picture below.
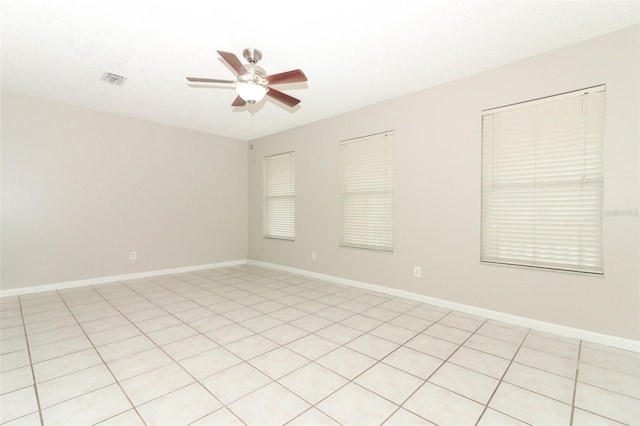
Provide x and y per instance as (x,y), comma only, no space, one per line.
(285,191)
(379,194)
(590,139)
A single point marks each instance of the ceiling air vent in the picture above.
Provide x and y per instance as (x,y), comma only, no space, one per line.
(111,78)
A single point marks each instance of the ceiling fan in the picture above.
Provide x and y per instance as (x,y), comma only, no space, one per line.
(253,83)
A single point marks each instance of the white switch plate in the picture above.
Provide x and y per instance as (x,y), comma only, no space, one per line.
(133,255)
(417,272)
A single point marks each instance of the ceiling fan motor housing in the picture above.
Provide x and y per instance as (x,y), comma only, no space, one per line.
(252,55)
(254,74)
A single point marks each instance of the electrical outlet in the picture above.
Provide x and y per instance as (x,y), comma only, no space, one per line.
(417,272)
(314,255)
(133,255)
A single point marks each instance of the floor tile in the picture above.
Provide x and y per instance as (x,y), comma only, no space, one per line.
(180,407)
(626,384)
(210,362)
(611,358)
(228,334)
(413,362)
(14,360)
(339,333)
(17,404)
(311,323)
(462,322)
(492,417)
(448,333)
(362,323)
(540,381)
(334,314)
(32,419)
(389,382)
(124,348)
(278,362)
(221,416)
(214,322)
(545,361)
(529,407)
(370,345)
(11,332)
(313,417)
(190,346)
(313,382)
(432,346)
(481,362)
(346,362)
(615,406)
(354,405)
(403,417)
(114,334)
(60,348)
(261,323)
(427,313)
(492,346)
(72,385)
(471,384)
(552,346)
(128,418)
(48,325)
(284,334)
(585,418)
(433,403)
(288,314)
(393,333)
(235,382)
(410,322)
(155,383)
(160,335)
(15,379)
(13,345)
(312,346)
(171,334)
(132,365)
(252,346)
(272,404)
(503,333)
(101,325)
(52,336)
(89,408)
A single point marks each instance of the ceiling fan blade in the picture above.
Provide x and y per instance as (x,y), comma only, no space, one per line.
(293,76)
(208,80)
(283,97)
(233,61)
(239,102)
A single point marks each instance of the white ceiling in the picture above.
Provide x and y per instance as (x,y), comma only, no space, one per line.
(354,52)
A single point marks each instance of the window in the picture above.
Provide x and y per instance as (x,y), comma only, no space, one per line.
(367,192)
(542,182)
(280,196)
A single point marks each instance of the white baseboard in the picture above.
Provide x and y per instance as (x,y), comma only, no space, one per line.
(576,333)
(114,278)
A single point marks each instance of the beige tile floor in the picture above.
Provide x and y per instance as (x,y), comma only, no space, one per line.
(249,345)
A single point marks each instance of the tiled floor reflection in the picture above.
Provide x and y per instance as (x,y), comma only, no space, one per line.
(255,346)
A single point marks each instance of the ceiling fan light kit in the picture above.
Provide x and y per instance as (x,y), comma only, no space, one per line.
(252,82)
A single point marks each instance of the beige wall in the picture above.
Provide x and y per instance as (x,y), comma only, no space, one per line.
(81,189)
(437,202)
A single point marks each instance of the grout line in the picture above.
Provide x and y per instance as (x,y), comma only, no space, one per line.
(236,283)
(575,386)
(106,366)
(511,361)
(33,374)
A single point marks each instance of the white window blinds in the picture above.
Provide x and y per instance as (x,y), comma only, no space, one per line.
(367,192)
(542,182)
(279,196)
